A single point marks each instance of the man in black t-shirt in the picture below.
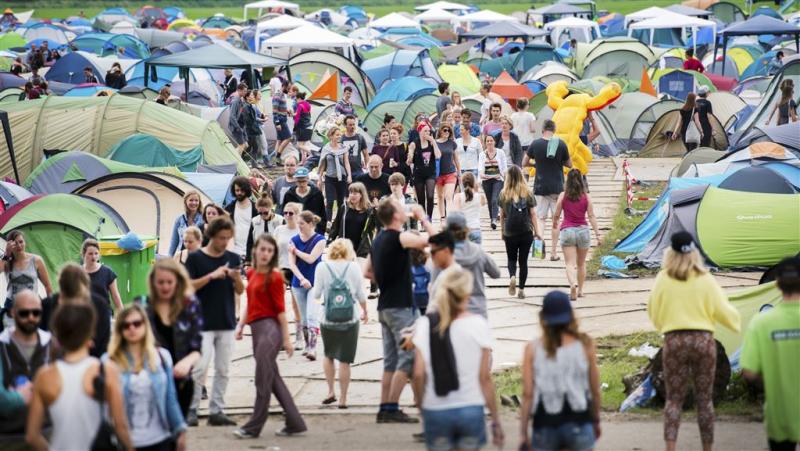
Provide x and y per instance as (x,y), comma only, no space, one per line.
(216,277)
(375,180)
(703,108)
(389,264)
(550,158)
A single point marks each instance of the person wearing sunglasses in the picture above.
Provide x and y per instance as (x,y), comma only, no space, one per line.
(449,169)
(155,420)
(24,348)
(283,235)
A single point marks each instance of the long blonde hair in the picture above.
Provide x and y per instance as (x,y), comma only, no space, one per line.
(183,288)
(682,266)
(452,289)
(515,187)
(118,347)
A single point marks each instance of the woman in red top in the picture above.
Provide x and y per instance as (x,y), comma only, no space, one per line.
(267,320)
(574,236)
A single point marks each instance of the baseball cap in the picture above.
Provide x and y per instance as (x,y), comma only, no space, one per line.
(556,308)
(456,220)
(301,172)
(702,90)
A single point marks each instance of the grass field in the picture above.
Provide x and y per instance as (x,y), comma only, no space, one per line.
(623,7)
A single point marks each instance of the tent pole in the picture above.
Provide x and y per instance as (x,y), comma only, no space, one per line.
(186,84)
(10,144)
(146,73)
(724,54)
(714,60)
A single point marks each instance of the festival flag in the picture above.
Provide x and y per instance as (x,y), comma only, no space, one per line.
(646,86)
(328,89)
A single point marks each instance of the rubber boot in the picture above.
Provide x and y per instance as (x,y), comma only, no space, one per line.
(298,338)
(305,340)
(312,345)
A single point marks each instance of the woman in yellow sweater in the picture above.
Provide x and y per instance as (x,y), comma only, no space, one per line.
(685,305)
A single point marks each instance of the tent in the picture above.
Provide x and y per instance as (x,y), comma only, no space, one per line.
(669,21)
(676,84)
(659,145)
(447,6)
(623,64)
(585,54)
(726,105)
(507,88)
(276,24)
(557,11)
(70,218)
(401,63)
(69,68)
(11,40)
(12,194)
(787,135)
(503,29)
(727,12)
(95,124)
(434,15)
(748,302)
(758,25)
(485,16)
(104,44)
(563,30)
(699,155)
(624,112)
(689,11)
(309,37)
(393,20)
(138,92)
(47,31)
(405,88)
(644,14)
(89,89)
(148,203)
(270,5)
(761,228)
(9,80)
(148,151)
(760,152)
(311,66)
(647,119)
(548,72)
(461,77)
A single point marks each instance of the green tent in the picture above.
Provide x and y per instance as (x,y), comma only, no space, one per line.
(145,150)
(461,78)
(11,40)
(56,225)
(374,120)
(747,302)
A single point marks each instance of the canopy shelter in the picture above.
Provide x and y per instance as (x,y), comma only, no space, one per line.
(671,20)
(689,11)
(435,15)
(213,56)
(556,11)
(484,16)
(311,37)
(270,5)
(647,13)
(393,20)
(447,6)
(512,30)
(758,25)
(278,24)
(574,28)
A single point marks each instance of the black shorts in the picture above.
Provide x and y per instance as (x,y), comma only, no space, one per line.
(287,276)
(303,134)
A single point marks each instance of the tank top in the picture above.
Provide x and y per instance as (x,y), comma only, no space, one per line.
(491,166)
(565,377)
(22,279)
(472,210)
(75,415)
(574,212)
(424,161)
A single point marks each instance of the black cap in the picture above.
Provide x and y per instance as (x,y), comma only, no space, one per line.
(682,242)
(556,308)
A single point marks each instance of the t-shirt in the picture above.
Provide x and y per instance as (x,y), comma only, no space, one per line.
(441,104)
(355,145)
(523,122)
(334,162)
(146,427)
(490,127)
(241,221)
(283,234)
(549,171)
(100,280)
(771,348)
(447,163)
(265,295)
(785,110)
(217,296)
(305,268)
(279,189)
(391,264)
(468,155)
(704,108)
(376,188)
(693,64)
(469,336)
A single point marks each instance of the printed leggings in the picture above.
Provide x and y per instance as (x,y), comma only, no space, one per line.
(518,247)
(689,355)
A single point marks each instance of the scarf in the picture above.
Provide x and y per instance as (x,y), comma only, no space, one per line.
(552,146)
(443,359)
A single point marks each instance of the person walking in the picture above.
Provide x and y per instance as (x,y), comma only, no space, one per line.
(302,126)
(235,120)
(456,385)
(283,183)
(786,107)
(356,146)
(216,276)
(576,240)
(389,265)
(769,356)
(23,270)
(267,221)
(334,171)
(560,383)
(344,107)
(251,119)
(775,64)
(283,235)
(192,241)
(421,278)
(422,155)
(492,167)
(518,226)
(449,169)
(154,415)
(507,140)
(280,117)
(685,305)
(338,282)
(241,211)
(211,211)
(65,393)
(703,109)
(443,102)
(469,203)
(375,181)
(395,139)
(103,279)
(355,221)
(177,324)
(305,253)
(549,155)
(228,85)
(469,150)
(308,196)
(390,154)
(192,216)
(524,124)
(492,124)
(687,115)
(269,329)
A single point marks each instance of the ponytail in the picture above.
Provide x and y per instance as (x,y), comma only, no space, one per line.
(453,288)
(468,180)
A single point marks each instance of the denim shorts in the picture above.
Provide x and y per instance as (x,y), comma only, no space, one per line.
(458,428)
(393,321)
(579,237)
(569,436)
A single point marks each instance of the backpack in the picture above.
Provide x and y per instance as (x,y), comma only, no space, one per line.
(339,301)
(421,278)
(518,217)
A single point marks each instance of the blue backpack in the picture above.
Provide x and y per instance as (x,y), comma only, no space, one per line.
(421,278)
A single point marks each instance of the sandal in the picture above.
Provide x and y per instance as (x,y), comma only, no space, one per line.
(342,406)
(554,257)
(329,400)
(573,293)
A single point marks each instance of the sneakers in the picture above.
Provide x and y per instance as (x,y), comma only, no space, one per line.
(512,286)
(521,293)
(204,393)
(397,416)
(298,339)
(286,432)
(311,350)
(242,434)
(494,225)
(220,419)
(419,437)
(191,418)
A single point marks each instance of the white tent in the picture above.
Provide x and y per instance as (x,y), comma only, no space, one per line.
(283,22)
(647,13)
(309,37)
(123,27)
(270,4)
(447,6)
(393,20)
(435,15)
(669,19)
(572,28)
(485,16)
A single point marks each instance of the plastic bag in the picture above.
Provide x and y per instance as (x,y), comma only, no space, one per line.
(130,242)
(639,397)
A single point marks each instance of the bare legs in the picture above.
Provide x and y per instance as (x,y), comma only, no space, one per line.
(444,194)
(329,365)
(581,269)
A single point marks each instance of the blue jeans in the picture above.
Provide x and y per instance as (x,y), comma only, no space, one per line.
(308,308)
(458,428)
(569,436)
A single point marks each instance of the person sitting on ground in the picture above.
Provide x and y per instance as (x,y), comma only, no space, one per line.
(88,75)
(775,64)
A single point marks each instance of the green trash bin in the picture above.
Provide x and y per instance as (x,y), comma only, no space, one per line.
(132,267)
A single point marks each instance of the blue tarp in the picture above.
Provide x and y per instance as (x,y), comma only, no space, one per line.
(405,88)
(216,186)
(677,84)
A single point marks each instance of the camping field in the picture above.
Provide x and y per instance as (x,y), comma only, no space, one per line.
(619,6)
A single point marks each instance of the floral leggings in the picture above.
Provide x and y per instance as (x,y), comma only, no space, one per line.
(689,355)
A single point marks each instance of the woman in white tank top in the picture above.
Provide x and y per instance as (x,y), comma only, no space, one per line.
(65,391)
(469,203)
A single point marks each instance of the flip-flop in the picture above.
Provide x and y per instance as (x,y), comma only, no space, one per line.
(342,406)
(554,258)
(329,400)
(573,293)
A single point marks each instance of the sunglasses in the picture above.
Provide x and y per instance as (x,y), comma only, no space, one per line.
(135,324)
(24,313)
(445,130)
(288,213)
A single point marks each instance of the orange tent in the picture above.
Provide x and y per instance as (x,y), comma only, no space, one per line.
(508,88)
(328,89)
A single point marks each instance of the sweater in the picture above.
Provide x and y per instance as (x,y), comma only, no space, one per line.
(694,304)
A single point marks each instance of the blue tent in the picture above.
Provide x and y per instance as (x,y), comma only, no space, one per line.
(69,68)
(766,11)
(677,84)
(216,186)
(398,64)
(356,13)
(612,26)
(173,12)
(405,88)
(104,44)
(759,67)
(87,90)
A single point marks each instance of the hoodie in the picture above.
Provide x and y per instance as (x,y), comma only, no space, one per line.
(472,258)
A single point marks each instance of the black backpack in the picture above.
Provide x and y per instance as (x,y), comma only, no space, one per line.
(518,217)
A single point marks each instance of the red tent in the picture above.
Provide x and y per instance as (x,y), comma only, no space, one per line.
(508,88)
(720,82)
